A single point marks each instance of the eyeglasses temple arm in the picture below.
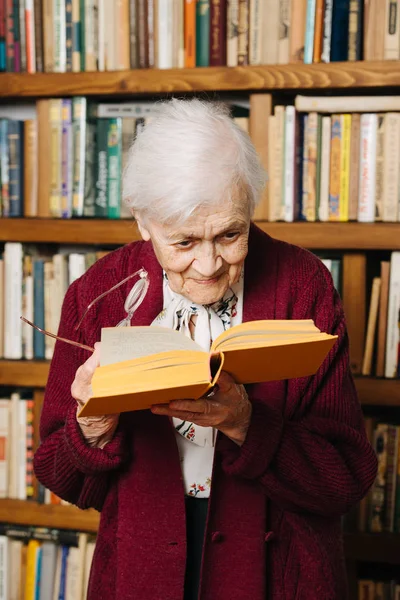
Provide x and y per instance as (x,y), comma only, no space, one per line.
(56,337)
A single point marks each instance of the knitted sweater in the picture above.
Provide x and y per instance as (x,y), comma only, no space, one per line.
(274,521)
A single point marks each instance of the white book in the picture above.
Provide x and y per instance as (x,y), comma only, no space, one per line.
(76,266)
(366,200)
(347,104)
(391,164)
(326,44)
(5,439)
(328,263)
(90,548)
(290,149)
(72,584)
(392,38)
(270,30)
(273,206)
(392,335)
(22,464)
(126,109)
(164,58)
(60,40)
(285,12)
(232,33)
(82,546)
(57,574)
(255,32)
(13,257)
(323,213)
(15,558)
(4,567)
(109,41)
(91,34)
(27,330)
(279,149)
(48,571)
(101,35)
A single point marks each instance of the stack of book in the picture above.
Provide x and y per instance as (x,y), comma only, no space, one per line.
(330,162)
(369,589)
(44,563)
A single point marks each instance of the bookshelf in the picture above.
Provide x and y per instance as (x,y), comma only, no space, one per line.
(260,82)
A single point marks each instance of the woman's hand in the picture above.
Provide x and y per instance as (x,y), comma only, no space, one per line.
(228,410)
(97,431)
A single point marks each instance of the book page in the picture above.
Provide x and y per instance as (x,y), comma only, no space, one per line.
(125,343)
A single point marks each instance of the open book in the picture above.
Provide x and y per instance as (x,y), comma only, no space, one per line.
(141,366)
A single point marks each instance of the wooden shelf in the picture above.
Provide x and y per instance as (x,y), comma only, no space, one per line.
(24,373)
(346,75)
(370,547)
(20,512)
(378,392)
(327,236)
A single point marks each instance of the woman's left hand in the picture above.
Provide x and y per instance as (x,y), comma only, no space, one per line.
(228,410)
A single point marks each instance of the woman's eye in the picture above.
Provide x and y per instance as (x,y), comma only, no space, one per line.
(231,235)
(184,244)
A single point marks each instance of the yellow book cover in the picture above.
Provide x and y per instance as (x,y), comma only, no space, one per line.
(345,167)
(141,366)
(31,562)
(334,181)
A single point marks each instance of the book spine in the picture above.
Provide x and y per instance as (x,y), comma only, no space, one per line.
(142,33)
(354,166)
(82,31)
(38,36)
(392,337)
(48,35)
(17,37)
(391,178)
(3,60)
(312,143)
(30,36)
(355,30)
(202,33)
(27,308)
(376,517)
(68,36)
(79,115)
(49,297)
(90,157)
(190,33)
(38,303)
(397,493)
(340,30)
(114,158)
(4,567)
(289,176)
(91,25)
(218,33)
(309,37)
(76,36)
(284,31)
(301,134)
(30,168)
(232,33)
(390,491)
(66,158)
(163,9)
(4,170)
(151,44)
(10,49)
(380,164)
(4,446)
(334,185)
(56,156)
(374,30)
(165,34)
(243,33)
(319,166)
(392,38)
(13,277)
(102,169)
(255,34)
(22,36)
(279,197)
(304,169)
(366,204)
(345,168)
(326,42)
(318,30)
(15,167)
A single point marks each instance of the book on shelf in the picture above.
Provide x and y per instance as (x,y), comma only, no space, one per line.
(67,38)
(44,563)
(141,366)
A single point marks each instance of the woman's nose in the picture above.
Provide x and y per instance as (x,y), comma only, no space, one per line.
(207,263)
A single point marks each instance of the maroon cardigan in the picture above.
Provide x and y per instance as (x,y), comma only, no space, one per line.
(305,462)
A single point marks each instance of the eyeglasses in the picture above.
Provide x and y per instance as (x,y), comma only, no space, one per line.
(132,303)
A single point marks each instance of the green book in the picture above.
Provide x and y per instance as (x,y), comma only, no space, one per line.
(114,167)
(203,33)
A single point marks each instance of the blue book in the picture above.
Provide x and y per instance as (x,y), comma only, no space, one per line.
(38,307)
(309,35)
(340,30)
(38,571)
(16,167)
(4,168)
(63,575)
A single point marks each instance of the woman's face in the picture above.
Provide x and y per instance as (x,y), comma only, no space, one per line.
(204,256)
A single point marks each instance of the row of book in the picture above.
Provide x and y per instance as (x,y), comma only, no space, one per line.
(329,162)
(369,589)
(43,564)
(95,35)
(65,157)
(379,512)
(33,285)
(382,341)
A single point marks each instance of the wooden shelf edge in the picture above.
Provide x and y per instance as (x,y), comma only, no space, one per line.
(21,512)
(326,236)
(346,75)
(24,373)
(378,392)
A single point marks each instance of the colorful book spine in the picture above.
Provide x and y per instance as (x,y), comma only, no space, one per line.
(76,36)
(60,45)
(345,168)
(22,35)
(68,35)
(89,206)
(334,186)
(309,36)
(323,206)
(3,61)
(15,167)
(79,115)
(30,36)
(380,166)
(391,176)
(312,142)
(5,179)
(377,506)
(243,33)
(392,338)
(366,203)
(66,159)
(203,33)
(101,168)
(17,37)
(114,159)
(38,311)
(190,33)
(10,45)
(82,18)
(29,450)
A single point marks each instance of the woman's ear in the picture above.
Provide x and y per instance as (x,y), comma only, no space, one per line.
(143,231)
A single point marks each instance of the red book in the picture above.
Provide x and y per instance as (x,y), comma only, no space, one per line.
(218,11)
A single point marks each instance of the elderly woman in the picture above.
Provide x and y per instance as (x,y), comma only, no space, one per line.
(240,495)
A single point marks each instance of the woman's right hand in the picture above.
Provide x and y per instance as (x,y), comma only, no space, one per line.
(97,431)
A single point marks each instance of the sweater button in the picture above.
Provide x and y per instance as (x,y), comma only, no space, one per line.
(216,537)
(269,536)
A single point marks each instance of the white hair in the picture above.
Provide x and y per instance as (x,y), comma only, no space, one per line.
(190,154)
